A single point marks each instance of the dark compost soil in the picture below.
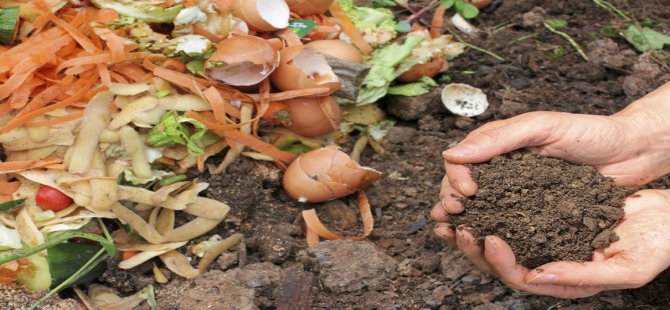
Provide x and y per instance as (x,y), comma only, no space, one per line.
(402,265)
(546,209)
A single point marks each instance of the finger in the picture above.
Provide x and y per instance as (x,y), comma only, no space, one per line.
(474,253)
(614,273)
(439,213)
(460,180)
(501,259)
(446,232)
(450,199)
(530,129)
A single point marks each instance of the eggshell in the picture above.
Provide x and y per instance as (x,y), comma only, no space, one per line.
(429,69)
(338,49)
(247,60)
(326,174)
(302,68)
(309,7)
(263,15)
(464,100)
(312,117)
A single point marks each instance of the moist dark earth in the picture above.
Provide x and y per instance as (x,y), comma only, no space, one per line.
(402,265)
(546,209)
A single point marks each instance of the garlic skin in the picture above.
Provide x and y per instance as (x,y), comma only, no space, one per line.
(325,174)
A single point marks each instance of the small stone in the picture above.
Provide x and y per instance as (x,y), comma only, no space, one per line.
(454,266)
(534,18)
(428,262)
(226,260)
(400,134)
(463,122)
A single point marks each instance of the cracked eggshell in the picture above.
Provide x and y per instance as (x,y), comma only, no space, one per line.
(326,174)
(302,68)
(263,15)
(313,117)
(479,3)
(338,49)
(243,61)
(464,100)
(309,7)
(429,69)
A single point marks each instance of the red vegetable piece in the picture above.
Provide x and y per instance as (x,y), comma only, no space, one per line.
(50,198)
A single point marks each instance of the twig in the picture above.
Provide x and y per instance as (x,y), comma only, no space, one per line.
(612,9)
(524,38)
(475,47)
(359,146)
(570,39)
(421,12)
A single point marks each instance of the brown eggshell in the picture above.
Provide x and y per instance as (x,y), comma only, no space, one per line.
(326,174)
(248,60)
(429,69)
(308,117)
(479,3)
(309,7)
(338,49)
(262,15)
(301,68)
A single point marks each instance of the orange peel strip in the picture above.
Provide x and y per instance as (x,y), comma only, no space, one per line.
(315,227)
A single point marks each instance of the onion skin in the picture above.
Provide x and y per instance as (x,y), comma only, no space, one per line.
(338,49)
(308,116)
(309,7)
(429,69)
(289,76)
(479,3)
(326,174)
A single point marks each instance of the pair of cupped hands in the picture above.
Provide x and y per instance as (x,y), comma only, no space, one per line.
(632,146)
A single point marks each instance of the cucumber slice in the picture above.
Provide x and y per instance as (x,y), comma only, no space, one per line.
(37,276)
(67,258)
(9,24)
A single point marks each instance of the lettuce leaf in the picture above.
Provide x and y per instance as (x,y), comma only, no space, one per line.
(385,69)
(377,24)
(173,130)
(141,9)
(421,87)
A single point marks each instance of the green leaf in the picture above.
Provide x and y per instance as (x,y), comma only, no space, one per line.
(556,23)
(301,27)
(403,26)
(148,294)
(173,130)
(9,205)
(645,39)
(196,66)
(66,259)
(122,22)
(421,87)
(447,4)
(468,11)
(383,3)
(162,93)
(609,31)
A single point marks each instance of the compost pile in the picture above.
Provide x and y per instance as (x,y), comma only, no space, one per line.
(546,209)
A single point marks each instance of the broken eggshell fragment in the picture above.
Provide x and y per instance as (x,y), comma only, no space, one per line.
(242,61)
(464,100)
(338,49)
(326,174)
(309,7)
(263,15)
(312,117)
(302,68)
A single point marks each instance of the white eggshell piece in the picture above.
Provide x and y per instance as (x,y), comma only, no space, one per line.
(464,100)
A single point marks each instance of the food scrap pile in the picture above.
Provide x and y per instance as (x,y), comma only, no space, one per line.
(105,104)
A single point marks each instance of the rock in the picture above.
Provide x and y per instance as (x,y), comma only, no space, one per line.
(406,269)
(534,18)
(294,291)
(606,52)
(226,260)
(484,297)
(437,295)
(454,265)
(463,122)
(645,78)
(235,289)
(349,266)
(428,261)
(413,108)
(400,135)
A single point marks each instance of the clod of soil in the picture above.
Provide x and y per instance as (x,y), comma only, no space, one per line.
(545,208)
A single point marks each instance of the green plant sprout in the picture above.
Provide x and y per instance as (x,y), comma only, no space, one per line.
(553,24)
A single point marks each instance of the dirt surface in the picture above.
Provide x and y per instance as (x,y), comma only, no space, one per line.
(545,208)
(403,265)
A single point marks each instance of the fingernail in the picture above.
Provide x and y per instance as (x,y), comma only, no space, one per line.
(490,247)
(542,278)
(444,203)
(460,151)
(441,228)
(461,188)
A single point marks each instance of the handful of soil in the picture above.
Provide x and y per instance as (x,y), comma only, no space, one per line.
(546,209)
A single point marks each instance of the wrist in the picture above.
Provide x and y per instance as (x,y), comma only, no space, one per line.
(646,123)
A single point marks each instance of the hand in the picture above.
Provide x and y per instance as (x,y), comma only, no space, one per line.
(640,254)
